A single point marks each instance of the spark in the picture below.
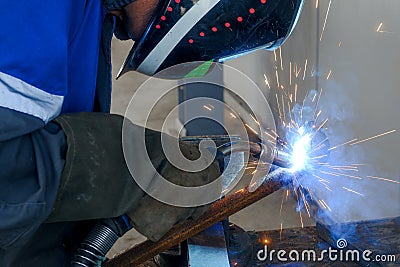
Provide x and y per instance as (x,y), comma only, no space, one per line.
(379,27)
(207,107)
(319,98)
(255,120)
(248,126)
(383,179)
(277,77)
(329,74)
(277,135)
(280,210)
(319,113)
(355,192)
(280,56)
(305,203)
(312,71)
(313,99)
(328,188)
(321,179)
(280,232)
(283,108)
(273,132)
(373,137)
(318,146)
(319,157)
(326,18)
(339,43)
(295,92)
(322,203)
(290,73)
(332,148)
(266,81)
(302,107)
(298,70)
(275,55)
(232,115)
(269,135)
(322,124)
(331,173)
(326,205)
(250,167)
(341,174)
(301,220)
(279,107)
(344,168)
(316,3)
(305,69)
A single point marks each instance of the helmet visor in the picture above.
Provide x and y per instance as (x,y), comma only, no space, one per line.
(203,30)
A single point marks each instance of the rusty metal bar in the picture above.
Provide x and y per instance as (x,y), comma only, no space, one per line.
(217,212)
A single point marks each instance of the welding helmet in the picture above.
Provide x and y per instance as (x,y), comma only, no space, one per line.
(210,30)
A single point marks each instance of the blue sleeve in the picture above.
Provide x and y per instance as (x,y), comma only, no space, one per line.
(48,66)
(49,56)
(31,162)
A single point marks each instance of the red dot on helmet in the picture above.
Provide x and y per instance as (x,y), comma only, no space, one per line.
(263,1)
(177,1)
(158,26)
(163,17)
(169,9)
(252,10)
(227,24)
(202,34)
(190,41)
(214,29)
(240,19)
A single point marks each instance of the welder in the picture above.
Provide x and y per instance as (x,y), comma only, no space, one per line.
(62,165)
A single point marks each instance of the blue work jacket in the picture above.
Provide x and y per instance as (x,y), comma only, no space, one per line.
(55,58)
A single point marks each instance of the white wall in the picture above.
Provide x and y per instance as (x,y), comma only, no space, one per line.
(360,98)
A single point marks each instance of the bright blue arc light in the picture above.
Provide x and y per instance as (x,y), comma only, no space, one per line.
(300,152)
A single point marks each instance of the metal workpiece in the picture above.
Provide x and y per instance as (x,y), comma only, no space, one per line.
(218,211)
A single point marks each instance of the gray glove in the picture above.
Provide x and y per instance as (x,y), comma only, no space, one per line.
(96,182)
(153,218)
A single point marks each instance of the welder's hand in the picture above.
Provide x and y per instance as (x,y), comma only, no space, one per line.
(97,183)
(153,218)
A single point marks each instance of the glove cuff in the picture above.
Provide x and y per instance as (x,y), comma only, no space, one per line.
(95,182)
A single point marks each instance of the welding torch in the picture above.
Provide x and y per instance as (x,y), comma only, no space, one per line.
(280,158)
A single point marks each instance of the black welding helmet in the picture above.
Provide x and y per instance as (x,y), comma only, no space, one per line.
(210,30)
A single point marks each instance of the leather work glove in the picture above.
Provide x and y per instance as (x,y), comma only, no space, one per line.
(153,218)
(96,181)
